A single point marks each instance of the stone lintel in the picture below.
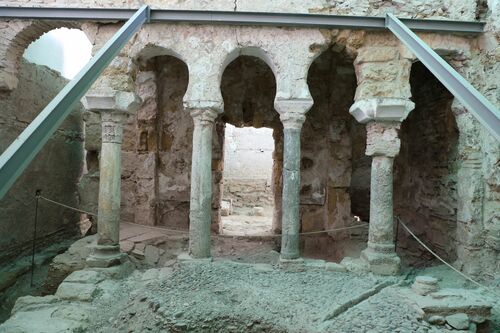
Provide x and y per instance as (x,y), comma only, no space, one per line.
(293,111)
(112,101)
(381,109)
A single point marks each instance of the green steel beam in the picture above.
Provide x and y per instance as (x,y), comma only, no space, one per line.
(482,109)
(21,152)
(239,18)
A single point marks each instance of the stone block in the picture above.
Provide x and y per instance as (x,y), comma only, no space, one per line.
(334,267)
(315,263)
(126,246)
(152,254)
(447,302)
(76,291)
(258,211)
(436,320)
(459,321)
(226,207)
(138,253)
(85,276)
(33,303)
(376,54)
(424,285)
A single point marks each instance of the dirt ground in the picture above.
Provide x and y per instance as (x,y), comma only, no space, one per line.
(243,289)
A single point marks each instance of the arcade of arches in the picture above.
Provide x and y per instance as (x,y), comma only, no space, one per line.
(362,132)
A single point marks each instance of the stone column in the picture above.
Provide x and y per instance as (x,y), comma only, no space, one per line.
(114,108)
(200,210)
(292,115)
(383,118)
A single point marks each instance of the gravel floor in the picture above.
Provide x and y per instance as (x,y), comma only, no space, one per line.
(383,312)
(232,297)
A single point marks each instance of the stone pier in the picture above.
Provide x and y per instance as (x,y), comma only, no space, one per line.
(292,115)
(200,211)
(383,118)
(114,108)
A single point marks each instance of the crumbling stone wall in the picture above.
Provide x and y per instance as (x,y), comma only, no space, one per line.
(55,170)
(478,215)
(382,65)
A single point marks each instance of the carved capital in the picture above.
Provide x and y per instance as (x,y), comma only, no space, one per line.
(204,116)
(215,105)
(381,110)
(119,101)
(382,139)
(293,111)
(112,126)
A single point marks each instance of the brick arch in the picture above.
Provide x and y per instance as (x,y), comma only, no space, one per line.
(15,37)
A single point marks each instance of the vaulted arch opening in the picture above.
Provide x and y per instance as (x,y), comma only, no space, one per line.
(425,171)
(333,183)
(251,155)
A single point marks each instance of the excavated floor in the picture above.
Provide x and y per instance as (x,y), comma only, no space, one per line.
(243,290)
(223,296)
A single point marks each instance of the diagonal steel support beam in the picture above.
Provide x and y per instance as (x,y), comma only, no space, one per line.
(21,152)
(484,111)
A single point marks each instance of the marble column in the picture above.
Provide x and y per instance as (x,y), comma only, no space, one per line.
(383,118)
(292,115)
(114,109)
(200,210)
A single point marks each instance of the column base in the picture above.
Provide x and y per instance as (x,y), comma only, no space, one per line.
(295,255)
(292,265)
(187,258)
(381,259)
(104,256)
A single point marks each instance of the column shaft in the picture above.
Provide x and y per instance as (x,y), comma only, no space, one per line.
(108,220)
(291,194)
(200,211)
(292,115)
(383,145)
(107,252)
(381,206)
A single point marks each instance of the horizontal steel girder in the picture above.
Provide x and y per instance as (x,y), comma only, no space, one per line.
(482,109)
(21,152)
(239,18)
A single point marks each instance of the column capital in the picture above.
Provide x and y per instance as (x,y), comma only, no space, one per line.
(382,138)
(204,115)
(293,111)
(381,109)
(112,102)
(214,105)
